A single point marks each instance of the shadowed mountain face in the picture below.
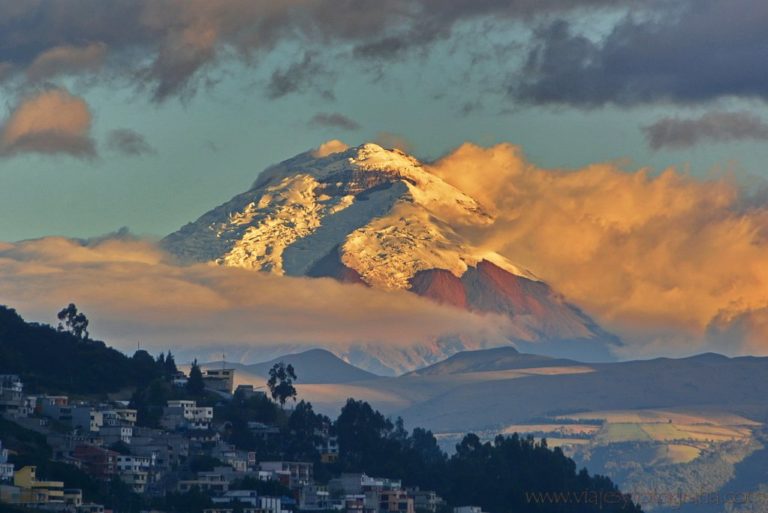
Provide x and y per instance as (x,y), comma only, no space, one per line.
(377,217)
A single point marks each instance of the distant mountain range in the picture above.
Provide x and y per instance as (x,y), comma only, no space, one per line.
(379,218)
(489,389)
(692,424)
(318,366)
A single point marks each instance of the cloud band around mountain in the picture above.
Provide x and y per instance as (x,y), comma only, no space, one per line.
(665,261)
(133,292)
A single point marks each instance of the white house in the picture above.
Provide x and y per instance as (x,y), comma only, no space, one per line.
(6,469)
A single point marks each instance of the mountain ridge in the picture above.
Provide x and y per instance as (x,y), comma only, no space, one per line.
(331,368)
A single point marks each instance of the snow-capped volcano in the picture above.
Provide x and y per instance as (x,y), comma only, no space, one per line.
(377,216)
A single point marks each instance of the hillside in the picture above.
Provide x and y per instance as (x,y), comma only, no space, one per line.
(498,359)
(733,384)
(59,361)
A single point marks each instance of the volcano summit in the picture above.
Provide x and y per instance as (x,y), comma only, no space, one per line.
(379,218)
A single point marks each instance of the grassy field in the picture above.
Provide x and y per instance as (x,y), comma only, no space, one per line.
(668,426)
(676,437)
(677,454)
(677,417)
(622,432)
(562,430)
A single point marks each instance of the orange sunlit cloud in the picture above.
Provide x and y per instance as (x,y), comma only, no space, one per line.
(51,121)
(666,261)
(132,292)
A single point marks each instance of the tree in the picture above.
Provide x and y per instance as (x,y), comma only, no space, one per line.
(303,428)
(74,322)
(363,437)
(281,378)
(144,366)
(195,383)
(170,365)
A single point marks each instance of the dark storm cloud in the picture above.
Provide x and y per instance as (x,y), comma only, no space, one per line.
(715,126)
(168,46)
(333,120)
(301,76)
(684,51)
(128,142)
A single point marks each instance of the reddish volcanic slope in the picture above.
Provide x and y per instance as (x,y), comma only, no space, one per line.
(489,288)
(486,288)
(441,286)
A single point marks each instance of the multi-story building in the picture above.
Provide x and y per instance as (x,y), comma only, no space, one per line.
(212,482)
(392,501)
(135,471)
(240,461)
(28,491)
(137,480)
(131,463)
(28,405)
(425,500)
(86,418)
(11,394)
(6,469)
(63,445)
(248,392)
(55,407)
(271,504)
(355,484)
(98,462)
(314,498)
(356,503)
(291,473)
(116,433)
(263,431)
(169,450)
(119,416)
(220,380)
(186,415)
(249,497)
(73,497)
(92,418)
(328,447)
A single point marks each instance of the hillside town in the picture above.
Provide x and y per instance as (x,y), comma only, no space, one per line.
(103,440)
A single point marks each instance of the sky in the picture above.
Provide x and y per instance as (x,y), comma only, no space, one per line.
(205,97)
(146,113)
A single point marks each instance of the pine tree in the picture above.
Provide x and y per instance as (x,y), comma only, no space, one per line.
(195,383)
(170,365)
